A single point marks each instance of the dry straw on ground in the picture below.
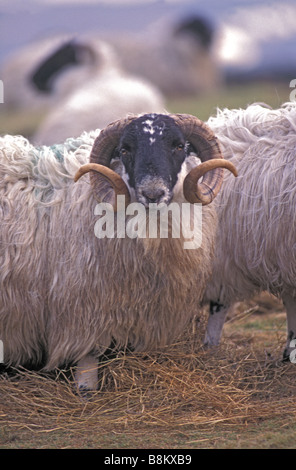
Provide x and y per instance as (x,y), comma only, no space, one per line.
(176,389)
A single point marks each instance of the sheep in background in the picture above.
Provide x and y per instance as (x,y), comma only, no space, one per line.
(79,291)
(80,86)
(255,247)
(99,101)
(178,59)
(38,75)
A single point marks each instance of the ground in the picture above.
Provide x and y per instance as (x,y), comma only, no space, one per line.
(239,395)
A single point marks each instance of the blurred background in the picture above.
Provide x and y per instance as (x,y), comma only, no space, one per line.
(73,65)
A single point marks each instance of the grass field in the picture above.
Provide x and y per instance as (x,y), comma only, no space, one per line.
(239,395)
(234,96)
(239,95)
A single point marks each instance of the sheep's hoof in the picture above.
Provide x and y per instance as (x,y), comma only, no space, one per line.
(289,354)
(286,355)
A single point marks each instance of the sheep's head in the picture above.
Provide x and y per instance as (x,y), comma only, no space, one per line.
(149,152)
(67,55)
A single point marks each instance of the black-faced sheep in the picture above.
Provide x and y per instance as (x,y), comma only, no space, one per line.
(66,293)
(179,59)
(255,248)
(40,74)
(75,85)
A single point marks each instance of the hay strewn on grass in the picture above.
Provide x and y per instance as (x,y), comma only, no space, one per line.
(181,387)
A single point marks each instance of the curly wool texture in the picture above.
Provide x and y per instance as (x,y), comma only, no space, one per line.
(256,243)
(65,293)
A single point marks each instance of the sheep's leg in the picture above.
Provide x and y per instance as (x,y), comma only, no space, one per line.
(217,317)
(290,305)
(87,374)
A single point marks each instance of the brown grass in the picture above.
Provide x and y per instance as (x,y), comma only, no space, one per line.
(177,390)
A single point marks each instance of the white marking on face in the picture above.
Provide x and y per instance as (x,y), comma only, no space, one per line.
(190,162)
(149,127)
(118,166)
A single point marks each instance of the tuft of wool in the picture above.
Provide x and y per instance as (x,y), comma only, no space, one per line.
(255,247)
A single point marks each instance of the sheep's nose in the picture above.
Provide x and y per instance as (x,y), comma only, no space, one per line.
(153,195)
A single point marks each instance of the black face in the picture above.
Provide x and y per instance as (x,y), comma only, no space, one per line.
(44,75)
(152,150)
(199,28)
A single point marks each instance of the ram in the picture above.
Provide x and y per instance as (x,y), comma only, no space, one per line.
(255,246)
(66,294)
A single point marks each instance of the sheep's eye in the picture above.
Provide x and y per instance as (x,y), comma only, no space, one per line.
(124,151)
(180,147)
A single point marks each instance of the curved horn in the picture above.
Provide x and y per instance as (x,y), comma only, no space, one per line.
(107,141)
(112,179)
(106,183)
(205,192)
(207,147)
